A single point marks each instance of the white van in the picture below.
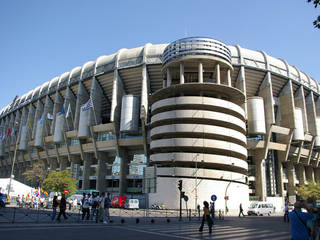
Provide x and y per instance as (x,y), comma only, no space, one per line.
(260,208)
(132,204)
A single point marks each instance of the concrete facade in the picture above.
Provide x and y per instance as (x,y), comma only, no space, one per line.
(226,120)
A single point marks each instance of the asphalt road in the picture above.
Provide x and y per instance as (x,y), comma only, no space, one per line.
(231,228)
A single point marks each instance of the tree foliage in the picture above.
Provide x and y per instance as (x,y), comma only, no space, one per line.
(36,174)
(316,3)
(310,191)
(58,181)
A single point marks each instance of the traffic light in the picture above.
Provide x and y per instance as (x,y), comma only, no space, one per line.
(180,185)
(182,194)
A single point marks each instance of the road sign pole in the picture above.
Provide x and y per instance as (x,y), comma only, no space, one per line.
(180,212)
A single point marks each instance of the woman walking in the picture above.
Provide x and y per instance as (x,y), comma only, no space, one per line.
(54,207)
(206,217)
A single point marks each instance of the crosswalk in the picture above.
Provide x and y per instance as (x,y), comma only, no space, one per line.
(190,232)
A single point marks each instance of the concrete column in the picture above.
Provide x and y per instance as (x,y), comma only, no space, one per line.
(75,159)
(53,163)
(38,113)
(96,95)
(316,174)
(301,174)
(69,102)
(279,182)
(291,179)
(124,169)
(260,184)
(168,77)
(311,115)
(181,73)
(64,163)
(101,180)
(87,160)
(218,74)
(309,174)
(200,72)
(229,77)
(286,105)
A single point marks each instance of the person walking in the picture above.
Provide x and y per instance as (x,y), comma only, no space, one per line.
(101,213)
(85,207)
(206,217)
(94,207)
(107,204)
(286,213)
(63,207)
(241,210)
(54,207)
(298,222)
(212,210)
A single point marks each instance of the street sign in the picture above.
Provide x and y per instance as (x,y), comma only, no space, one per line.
(213,198)
(186,198)
(66,191)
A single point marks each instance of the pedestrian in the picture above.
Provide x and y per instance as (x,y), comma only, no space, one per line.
(286,213)
(198,208)
(54,207)
(94,207)
(85,206)
(101,212)
(63,207)
(212,210)
(107,203)
(206,217)
(298,221)
(241,210)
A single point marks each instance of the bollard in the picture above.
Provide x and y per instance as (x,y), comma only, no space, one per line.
(122,221)
(14,215)
(137,220)
(168,220)
(152,221)
(189,214)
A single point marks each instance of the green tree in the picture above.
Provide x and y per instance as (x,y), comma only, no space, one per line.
(310,191)
(316,3)
(58,181)
(36,174)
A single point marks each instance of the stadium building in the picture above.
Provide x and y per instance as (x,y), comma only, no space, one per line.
(227,121)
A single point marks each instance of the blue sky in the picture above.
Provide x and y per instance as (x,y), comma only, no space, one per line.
(42,39)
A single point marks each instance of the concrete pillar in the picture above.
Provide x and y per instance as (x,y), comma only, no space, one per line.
(299,101)
(260,184)
(87,160)
(311,115)
(218,74)
(96,96)
(75,161)
(291,179)
(31,116)
(301,174)
(124,170)
(101,180)
(181,73)
(64,163)
(286,105)
(309,174)
(70,108)
(316,174)
(200,72)
(53,163)
(279,181)
(168,77)
(229,77)
(37,117)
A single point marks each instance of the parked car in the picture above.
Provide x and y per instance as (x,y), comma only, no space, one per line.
(132,203)
(260,208)
(4,200)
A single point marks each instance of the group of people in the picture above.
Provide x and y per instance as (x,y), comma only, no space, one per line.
(304,225)
(93,207)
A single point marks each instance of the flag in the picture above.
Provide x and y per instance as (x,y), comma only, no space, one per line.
(68,111)
(87,105)
(8,132)
(42,119)
(49,116)
(61,112)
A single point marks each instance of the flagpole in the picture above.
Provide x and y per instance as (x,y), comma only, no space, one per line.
(13,161)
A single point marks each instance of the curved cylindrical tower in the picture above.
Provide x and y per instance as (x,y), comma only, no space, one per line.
(198,130)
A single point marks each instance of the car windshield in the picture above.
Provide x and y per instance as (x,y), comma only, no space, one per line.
(254,205)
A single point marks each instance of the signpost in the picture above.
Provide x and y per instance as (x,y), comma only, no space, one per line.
(213,198)
(66,191)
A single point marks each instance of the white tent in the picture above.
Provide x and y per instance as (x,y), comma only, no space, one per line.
(17,188)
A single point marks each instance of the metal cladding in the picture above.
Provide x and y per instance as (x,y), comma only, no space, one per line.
(83,130)
(256,116)
(298,133)
(59,128)
(129,114)
(96,97)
